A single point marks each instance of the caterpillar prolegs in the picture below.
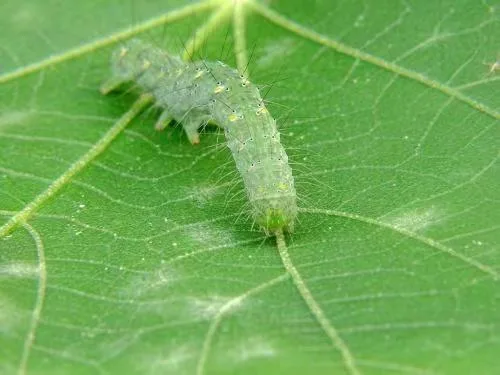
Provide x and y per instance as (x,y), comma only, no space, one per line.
(194,93)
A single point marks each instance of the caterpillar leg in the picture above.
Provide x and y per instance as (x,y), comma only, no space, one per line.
(163,121)
(191,125)
(111,84)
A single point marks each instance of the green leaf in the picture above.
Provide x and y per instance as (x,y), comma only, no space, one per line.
(127,250)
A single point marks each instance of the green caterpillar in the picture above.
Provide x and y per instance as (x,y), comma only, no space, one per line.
(200,92)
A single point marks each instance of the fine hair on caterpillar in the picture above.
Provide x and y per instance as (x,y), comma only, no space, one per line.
(200,92)
(225,175)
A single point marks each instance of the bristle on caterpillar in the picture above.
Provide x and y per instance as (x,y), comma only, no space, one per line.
(196,93)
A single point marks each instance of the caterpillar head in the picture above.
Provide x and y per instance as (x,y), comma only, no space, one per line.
(275,213)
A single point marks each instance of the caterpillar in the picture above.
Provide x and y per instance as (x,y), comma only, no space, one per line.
(195,93)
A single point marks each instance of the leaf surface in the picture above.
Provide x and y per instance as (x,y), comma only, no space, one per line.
(126,250)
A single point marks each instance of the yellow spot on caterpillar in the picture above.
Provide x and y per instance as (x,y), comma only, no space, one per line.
(218,88)
(282,186)
(261,110)
(199,74)
(123,52)
(232,117)
(146,64)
